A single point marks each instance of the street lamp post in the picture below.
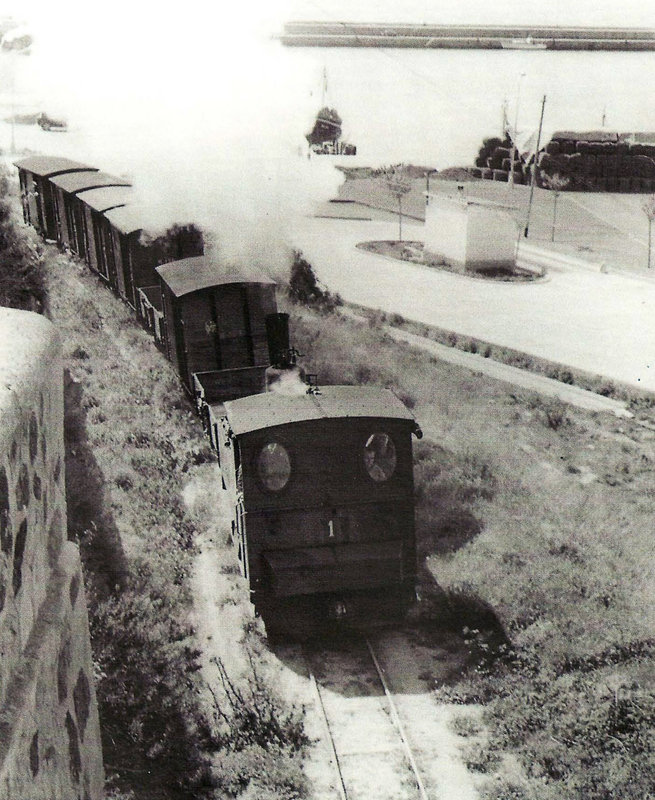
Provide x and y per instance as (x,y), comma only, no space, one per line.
(427,184)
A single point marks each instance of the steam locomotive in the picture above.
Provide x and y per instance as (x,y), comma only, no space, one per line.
(320,481)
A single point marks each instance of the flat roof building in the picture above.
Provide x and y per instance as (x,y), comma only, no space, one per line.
(470,234)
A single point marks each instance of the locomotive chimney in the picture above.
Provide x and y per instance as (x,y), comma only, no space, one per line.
(277,333)
(284,375)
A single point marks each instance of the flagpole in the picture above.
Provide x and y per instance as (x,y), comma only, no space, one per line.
(534,168)
(510,177)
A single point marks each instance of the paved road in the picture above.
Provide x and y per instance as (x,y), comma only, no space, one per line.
(603,226)
(601,323)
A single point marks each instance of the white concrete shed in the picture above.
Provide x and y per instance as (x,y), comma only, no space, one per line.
(470,233)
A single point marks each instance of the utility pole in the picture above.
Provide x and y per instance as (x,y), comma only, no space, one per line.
(533,178)
(648,207)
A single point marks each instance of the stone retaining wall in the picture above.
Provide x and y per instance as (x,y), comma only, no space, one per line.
(49,731)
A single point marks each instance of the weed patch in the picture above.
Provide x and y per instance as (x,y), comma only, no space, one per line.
(22,283)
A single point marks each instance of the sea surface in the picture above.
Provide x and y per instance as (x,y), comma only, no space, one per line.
(434,107)
(430,107)
(208,115)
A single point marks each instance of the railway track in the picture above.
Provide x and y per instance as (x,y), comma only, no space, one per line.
(369,745)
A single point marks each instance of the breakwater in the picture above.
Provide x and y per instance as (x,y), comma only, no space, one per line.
(510,37)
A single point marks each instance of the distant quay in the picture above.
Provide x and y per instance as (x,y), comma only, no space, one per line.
(517,37)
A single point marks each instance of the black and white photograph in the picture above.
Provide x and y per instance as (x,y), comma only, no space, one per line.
(327,400)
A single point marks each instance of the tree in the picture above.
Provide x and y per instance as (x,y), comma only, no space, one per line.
(648,207)
(555,182)
(399,183)
(305,289)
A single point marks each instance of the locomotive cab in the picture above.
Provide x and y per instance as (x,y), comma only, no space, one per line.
(322,491)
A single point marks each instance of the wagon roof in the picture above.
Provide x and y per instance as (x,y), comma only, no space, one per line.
(128,218)
(79,181)
(106,197)
(266,410)
(200,272)
(46,166)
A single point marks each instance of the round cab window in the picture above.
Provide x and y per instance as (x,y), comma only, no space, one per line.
(274,466)
(380,456)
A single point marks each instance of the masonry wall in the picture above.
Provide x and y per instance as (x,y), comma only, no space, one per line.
(49,730)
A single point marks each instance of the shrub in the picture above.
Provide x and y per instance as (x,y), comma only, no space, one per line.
(261,738)
(255,715)
(304,287)
(146,686)
(22,282)
(556,415)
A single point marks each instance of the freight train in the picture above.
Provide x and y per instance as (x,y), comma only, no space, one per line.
(320,480)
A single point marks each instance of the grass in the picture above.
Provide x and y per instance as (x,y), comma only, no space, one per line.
(534,519)
(548,577)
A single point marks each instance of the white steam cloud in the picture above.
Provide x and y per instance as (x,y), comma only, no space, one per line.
(200,106)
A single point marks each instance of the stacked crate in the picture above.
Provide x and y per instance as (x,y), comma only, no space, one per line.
(601,161)
(592,161)
(498,165)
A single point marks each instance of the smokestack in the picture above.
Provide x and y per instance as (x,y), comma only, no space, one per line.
(283,375)
(277,333)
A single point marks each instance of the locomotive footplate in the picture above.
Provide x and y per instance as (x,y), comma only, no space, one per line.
(305,617)
(336,569)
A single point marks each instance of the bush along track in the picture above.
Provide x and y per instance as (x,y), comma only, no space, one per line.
(133,443)
(21,275)
(535,523)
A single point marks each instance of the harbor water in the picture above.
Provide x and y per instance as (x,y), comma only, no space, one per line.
(210,112)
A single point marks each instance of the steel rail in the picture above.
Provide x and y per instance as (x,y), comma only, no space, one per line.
(398,723)
(341,786)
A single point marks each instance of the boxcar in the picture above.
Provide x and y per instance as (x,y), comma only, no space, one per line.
(94,203)
(133,249)
(68,210)
(215,320)
(37,192)
(321,487)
